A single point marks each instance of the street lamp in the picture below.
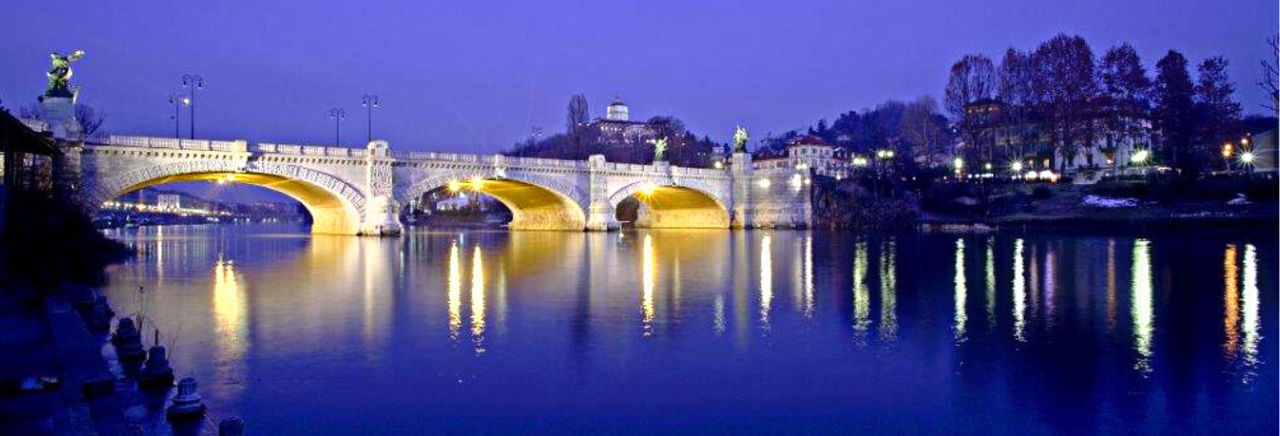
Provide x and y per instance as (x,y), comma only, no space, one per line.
(1140,157)
(178,101)
(369,101)
(1246,157)
(195,82)
(337,114)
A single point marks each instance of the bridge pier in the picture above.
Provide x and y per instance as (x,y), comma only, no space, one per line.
(601,215)
(381,210)
(741,218)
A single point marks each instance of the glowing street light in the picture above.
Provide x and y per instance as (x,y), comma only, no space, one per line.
(958,163)
(178,101)
(369,101)
(647,189)
(1246,157)
(1140,157)
(1016,166)
(763,183)
(454,186)
(477,183)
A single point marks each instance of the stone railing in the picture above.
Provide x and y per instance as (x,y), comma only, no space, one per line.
(309,150)
(176,144)
(488,159)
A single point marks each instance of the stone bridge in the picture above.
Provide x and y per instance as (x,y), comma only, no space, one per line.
(360,190)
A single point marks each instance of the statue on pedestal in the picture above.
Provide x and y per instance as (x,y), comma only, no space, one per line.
(740,139)
(60,74)
(659,146)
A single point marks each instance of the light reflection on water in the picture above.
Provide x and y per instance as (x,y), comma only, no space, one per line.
(287,328)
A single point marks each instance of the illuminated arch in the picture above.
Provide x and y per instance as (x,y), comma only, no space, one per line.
(679,205)
(335,205)
(536,203)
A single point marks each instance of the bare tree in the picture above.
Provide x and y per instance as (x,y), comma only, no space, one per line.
(922,126)
(972,79)
(578,113)
(1269,75)
(1064,86)
(90,120)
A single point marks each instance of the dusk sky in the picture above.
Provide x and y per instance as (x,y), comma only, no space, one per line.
(476,76)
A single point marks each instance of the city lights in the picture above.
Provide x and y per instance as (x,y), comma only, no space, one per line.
(1140,157)
(763,183)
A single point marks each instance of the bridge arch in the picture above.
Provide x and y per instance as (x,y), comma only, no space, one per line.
(336,207)
(536,202)
(678,204)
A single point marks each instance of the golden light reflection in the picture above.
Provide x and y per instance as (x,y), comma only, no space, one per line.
(991,283)
(766,280)
(648,277)
(454,295)
(961,292)
(1019,293)
(888,292)
(1143,315)
(228,309)
(1251,323)
(477,300)
(861,296)
(1232,302)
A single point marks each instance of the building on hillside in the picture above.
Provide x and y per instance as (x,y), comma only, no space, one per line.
(617,128)
(807,152)
(1009,137)
(169,201)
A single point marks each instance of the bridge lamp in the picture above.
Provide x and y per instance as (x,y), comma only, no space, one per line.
(763,183)
(796,181)
(477,183)
(454,186)
(1016,166)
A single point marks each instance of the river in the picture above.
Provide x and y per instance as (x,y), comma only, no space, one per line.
(715,332)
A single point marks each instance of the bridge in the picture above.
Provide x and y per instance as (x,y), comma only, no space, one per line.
(359,191)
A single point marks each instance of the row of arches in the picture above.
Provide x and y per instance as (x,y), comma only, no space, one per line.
(530,202)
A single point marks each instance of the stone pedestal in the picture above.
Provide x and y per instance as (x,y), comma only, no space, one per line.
(741,217)
(381,217)
(60,113)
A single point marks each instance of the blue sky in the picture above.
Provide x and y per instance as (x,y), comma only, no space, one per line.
(476,76)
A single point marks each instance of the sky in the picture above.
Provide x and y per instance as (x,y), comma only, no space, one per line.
(477,76)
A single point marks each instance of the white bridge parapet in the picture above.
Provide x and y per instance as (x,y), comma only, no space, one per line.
(360,190)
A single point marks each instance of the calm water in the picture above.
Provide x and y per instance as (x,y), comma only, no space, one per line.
(716,332)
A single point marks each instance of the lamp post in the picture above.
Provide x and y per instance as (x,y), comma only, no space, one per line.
(195,82)
(178,101)
(369,101)
(338,114)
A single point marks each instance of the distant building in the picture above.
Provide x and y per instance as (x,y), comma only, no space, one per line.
(169,201)
(807,152)
(1005,134)
(617,128)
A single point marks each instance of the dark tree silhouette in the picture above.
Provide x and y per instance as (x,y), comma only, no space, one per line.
(1174,112)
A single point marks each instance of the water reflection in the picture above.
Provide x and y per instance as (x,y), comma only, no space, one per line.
(1019,292)
(861,296)
(1143,316)
(454,294)
(888,292)
(228,309)
(477,300)
(1251,323)
(991,283)
(571,333)
(1231,318)
(961,292)
(648,271)
(766,281)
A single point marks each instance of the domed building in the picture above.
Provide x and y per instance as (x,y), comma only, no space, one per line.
(617,128)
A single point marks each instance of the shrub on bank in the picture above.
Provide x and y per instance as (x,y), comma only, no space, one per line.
(44,242)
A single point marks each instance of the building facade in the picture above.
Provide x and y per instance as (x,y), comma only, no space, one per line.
(808,152)
(617,128)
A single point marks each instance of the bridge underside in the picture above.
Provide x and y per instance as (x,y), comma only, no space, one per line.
(533,207)
(330,213)
(674,207)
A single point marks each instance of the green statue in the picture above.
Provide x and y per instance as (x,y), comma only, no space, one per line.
(740,139)
(60,74)
(659,146)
